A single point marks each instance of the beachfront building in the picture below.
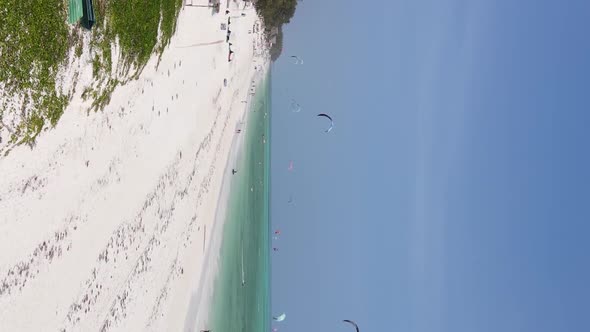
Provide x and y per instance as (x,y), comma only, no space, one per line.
(81,11)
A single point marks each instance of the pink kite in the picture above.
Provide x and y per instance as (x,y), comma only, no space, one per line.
(290,166)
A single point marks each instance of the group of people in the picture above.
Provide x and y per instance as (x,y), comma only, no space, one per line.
(227,36)
(230,55)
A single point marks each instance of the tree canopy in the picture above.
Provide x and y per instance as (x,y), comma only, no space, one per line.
(275,13)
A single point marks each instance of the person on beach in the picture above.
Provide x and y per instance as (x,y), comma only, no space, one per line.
(233,171)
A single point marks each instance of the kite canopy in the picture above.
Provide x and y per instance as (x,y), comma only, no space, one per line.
(280,317)
(295,107)
(329,118)
(353,324)
(298,60)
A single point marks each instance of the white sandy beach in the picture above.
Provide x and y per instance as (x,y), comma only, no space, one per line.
(109,222)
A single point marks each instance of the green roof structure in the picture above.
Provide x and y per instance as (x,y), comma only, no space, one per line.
(81,9)
(74,11)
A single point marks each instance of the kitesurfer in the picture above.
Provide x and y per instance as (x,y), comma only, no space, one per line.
(329,118)
(353,324)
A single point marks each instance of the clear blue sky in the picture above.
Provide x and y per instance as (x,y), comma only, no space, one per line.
(454,192)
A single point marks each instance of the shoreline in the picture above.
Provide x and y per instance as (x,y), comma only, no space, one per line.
(200,298)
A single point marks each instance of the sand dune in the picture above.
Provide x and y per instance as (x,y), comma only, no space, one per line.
(102,223)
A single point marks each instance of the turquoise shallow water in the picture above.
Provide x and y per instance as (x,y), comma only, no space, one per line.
(241,295)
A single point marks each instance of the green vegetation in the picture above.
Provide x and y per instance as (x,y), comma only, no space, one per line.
(35,41)
(170,11)
(275,13)
(136,24)
(102,98)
